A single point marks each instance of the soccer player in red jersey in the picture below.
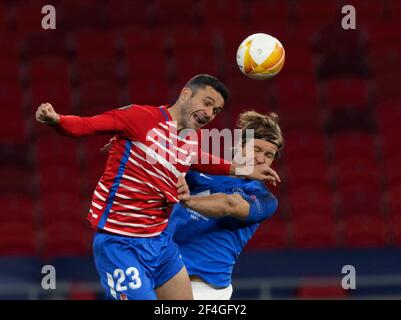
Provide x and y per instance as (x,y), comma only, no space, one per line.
(133,198)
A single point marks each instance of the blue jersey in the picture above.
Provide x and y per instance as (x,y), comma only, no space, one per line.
(210,246)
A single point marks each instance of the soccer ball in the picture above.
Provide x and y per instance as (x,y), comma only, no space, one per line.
(260,56)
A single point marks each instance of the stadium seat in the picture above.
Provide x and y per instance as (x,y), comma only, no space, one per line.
(308,171)
(10,69)
(298,87)
(15,180)
(175,13)
(355,145)
(313,291)
(28,16)
(225,10)
(66,238)
(124,13)
(312,11)
(390,145)
(309,143)
(392,170)
(299,115)
(259,9)
(346,92)
(59,94)
(59,201)
(76,17)
(45,44)
(11,241)
(271,234)
(365,232)
(62,178)
(149,91)
(360,200)
(49,69)
(12,131)
(247,92)
(314,230)
(98,96)
(386,86)
(95,44)
(359,168)
(312,198)
(17,207)
(388,114)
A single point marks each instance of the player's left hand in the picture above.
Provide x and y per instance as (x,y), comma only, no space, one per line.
(183,189)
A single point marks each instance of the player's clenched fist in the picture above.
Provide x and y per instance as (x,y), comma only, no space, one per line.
(46,114)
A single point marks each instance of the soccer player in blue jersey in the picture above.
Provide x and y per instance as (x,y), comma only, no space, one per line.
(214,222)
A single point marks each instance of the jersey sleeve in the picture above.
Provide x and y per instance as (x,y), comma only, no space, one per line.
(208,163)
(261,207)
(124,120)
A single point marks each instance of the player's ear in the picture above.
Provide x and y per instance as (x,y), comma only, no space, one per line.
(186,94)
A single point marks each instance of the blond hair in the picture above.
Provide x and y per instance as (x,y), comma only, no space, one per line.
(265,127)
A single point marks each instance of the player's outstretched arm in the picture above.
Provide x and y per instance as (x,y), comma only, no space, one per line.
(75,126)
(219,205)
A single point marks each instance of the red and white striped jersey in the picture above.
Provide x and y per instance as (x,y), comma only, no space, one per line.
(135,194)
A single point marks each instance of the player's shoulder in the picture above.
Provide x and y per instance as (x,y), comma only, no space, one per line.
(258,188)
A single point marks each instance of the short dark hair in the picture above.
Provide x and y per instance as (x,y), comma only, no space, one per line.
(203,80)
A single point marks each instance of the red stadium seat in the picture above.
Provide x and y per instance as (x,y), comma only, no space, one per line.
(149,91)
(126,12)
(45,44)
(312,291)
(365,231)
(271,234)
(390,145)
(61,178)
(392,170)
(394,224)
(314,230)
(11,241)
(297,88)
(12,131)
(309,143)
(386,85)
(355,144)
(259,9)
(307,199)
(46,69)
(388,114)
(346,92)
(95,45)
(78,16)
(15,180)
(64,238)
(298,61)
(384,56)
(54,149)
(307,171)
(17,207)
(59,201)
(57,93)
(369,11)
(247,92)
(299,115)
(9,68)
(175,13)
(192,61)
(317,12)
(28,16)
(361,200)
(98,96)
(225,10)
(359,169)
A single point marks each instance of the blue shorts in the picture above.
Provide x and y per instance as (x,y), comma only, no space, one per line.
(131,268)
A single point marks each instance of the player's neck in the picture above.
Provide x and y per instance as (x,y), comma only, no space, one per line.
(175,116)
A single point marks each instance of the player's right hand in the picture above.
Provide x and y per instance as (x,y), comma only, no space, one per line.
(46,114)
